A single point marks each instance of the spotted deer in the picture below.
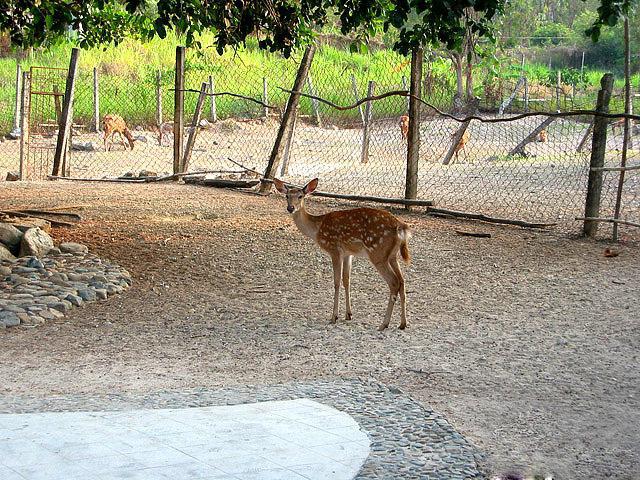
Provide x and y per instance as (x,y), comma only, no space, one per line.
(115,124)
(466,136)
(404,126)
(361,232)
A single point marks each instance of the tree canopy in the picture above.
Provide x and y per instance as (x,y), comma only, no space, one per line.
(280,25)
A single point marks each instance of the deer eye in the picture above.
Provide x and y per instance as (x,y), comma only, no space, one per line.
(299,195)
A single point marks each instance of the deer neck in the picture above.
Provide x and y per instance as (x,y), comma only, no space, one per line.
(308,224)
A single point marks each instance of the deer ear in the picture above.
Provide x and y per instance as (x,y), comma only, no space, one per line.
(279,184)
(310,187)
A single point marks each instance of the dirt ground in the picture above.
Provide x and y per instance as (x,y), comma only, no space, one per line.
(527,341)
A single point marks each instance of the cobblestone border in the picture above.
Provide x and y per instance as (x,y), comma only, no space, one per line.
(408,440)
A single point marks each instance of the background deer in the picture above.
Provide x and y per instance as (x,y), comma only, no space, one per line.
(165,130)
(363,232)
(404,126)
(542,136)
(463,141)
(115,124)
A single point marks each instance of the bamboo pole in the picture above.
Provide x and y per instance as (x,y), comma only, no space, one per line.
(366,131)
(24,123)
(18,100)
(67,113)
(598,150)
(627,126)
(265,98)
(195,127)
(213,110)
(178,110)
(315,104)
(558,89)
(158,98)
(96,101)
(354,86)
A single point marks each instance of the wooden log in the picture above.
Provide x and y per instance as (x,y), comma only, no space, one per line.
(25,108)
(195,128)
(57,103)
(366,131)
(103,180)
(67,114)
(178,110)
(287,118)
(473,234)
(442,212)
(227,183)
(598,150)
(31,211)
(609,220)
(457,137)
(413,135)
(519,149)
(55,222)
(96,101)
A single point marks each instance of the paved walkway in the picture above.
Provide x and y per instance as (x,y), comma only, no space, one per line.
(295,439)
(333,429)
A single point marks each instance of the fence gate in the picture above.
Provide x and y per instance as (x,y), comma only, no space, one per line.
(43,108)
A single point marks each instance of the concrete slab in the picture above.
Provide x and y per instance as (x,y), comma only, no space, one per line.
(292,439)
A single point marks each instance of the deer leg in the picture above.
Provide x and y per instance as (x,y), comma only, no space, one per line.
(403,294)
(346,282)
(392,280)
(337,274)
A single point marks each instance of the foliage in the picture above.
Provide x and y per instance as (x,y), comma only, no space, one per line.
(551,34)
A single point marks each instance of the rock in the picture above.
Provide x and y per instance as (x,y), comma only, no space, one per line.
(5,254)
(72,247)
(141,138)
(9,319)
(10,236)
(128,175)
(204,123)
(74,299)
(101,293)
(87,294)
(33,262)
(54,252)
(14,134)
(12,177)
(35,242)
(148,173)
(84,146)
(4,271)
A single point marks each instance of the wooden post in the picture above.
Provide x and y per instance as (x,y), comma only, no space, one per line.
(526,95)
(178,110)
(519,149)
(67,113)
(96,102)
(366,131)
(413,136)
(57,103)
(213,112)
(265,97)
(195,127)
(626,141)
(598,150)
(158,98)
(286,155)
(558,89)
(288,116)
(404,87)
(24,122)
(18,102)
(354,85)
(315,104)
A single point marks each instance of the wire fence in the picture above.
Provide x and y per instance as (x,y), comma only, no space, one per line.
(491,169)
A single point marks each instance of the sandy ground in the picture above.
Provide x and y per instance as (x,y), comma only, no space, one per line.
(527,342)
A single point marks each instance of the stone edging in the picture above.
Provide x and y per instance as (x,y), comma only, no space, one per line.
(408,440)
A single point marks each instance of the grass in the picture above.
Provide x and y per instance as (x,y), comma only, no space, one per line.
(128,72)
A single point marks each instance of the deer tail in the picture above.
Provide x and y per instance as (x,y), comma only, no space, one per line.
(404,233)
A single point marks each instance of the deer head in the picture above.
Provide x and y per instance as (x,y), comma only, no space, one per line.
(295,196)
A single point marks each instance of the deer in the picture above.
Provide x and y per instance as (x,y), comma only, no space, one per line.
(165,130)
(113,124)
(619,124)
(542,136)
(461,143)
(404,126)
(362,232)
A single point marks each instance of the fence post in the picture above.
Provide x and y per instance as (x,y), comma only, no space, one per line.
(16,111)
(159,98)
(366,131)
(315,104)
(213,112)
(598,150)
(57,103)
(413,136)
(626,141)
(96,101)
(526,94)
(24,121)
(67,113)
(558,89)
(178,110)
(195,126)
(354,85)
(288,116)
(582,66)
(265,97)
(284,169)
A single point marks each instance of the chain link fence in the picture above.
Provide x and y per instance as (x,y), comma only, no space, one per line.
(491,170)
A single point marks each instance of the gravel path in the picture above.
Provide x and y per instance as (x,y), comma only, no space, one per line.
(526,342)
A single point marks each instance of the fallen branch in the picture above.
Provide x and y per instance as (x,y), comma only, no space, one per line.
(112,180)
(192,174)
(34,213)
(473,234)
(426,372)
(57,223)
(609,220)
(246,168)
(478,216)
